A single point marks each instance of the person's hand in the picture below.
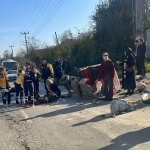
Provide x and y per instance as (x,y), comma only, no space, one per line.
(117,62)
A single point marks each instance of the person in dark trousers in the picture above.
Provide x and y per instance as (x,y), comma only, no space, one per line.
(107,75)
(136,43)
(59,69)
(55,66)
(142,56)
(19,86)
(28,88)
(47,72)
(62,66)
(128,72)
(5,85)
(67,70)
(36,79)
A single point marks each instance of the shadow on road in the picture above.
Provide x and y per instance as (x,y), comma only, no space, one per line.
(129,140)
(74,108)
(95,119)
(102,117)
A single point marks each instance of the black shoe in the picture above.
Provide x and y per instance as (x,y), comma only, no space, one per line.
(128,93)
(108,99)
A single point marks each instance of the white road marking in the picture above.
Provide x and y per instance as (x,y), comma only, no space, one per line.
(25,116)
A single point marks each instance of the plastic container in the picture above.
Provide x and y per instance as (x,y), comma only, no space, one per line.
(145,96)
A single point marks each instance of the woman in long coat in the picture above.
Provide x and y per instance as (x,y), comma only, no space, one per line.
(128,74)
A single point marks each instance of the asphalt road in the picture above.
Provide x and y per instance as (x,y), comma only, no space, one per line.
(75,124)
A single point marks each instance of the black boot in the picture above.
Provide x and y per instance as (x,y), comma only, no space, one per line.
(128,92)
(132,92)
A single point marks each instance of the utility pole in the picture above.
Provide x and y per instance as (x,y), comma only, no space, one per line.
(140,19)
(26,39)
(56,38)
(12,53)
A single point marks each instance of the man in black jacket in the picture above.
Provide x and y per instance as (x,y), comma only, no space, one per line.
(136,43)
(62,66)
(141,56)
(47,72)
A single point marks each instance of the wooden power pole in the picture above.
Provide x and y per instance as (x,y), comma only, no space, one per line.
(12,53)
(26,39)
(56,38)
(140,19)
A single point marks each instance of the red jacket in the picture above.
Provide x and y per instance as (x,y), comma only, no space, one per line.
(106,68)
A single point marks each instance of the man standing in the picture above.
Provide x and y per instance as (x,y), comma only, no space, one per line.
(67,70)
(47,72)
(107,75)
(141,56)
(62,66)
(136,43)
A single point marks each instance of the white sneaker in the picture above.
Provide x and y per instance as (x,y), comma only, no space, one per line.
(9,105)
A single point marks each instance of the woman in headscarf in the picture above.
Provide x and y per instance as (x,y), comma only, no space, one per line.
(128,74)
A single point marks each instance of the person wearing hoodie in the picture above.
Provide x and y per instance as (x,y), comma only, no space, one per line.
(128,72)
(142,56)
(107,75)
(19,86)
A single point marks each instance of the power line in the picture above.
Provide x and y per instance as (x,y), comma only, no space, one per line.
(47,16)
(51,17)
(48,19)
(27,21)
(38,14)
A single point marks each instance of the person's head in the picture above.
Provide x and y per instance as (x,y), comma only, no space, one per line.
(66,59)
(27,64)
(44,61)
(141,41)
(22,68)
(128,51)
(58,59)
(136,42)
(33,65)
(2,69)
(105,56)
